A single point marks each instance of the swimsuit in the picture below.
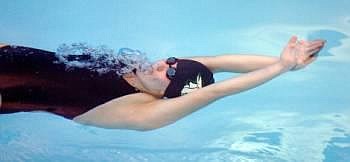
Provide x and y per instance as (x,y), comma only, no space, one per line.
(33,79)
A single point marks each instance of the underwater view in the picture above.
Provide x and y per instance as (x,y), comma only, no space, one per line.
(300,116)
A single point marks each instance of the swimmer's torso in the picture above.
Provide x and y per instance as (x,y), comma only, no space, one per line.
(33,79)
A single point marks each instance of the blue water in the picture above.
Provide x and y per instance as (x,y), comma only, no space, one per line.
(300,116)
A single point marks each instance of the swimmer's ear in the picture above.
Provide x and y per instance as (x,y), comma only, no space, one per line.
(129,76)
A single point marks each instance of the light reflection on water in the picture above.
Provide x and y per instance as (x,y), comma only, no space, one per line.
(267,135)
(290,136)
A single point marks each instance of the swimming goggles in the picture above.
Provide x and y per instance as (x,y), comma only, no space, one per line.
(170,73)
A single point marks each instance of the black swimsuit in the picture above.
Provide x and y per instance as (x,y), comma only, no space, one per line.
(33,79)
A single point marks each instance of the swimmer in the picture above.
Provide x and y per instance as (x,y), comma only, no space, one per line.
(33,79)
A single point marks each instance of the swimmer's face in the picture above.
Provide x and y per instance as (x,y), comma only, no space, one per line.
(156,80)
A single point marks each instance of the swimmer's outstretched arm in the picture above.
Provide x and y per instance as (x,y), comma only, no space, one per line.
(145,112)
(235,62)
(246,63)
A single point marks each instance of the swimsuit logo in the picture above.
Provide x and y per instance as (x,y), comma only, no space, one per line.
(192,85)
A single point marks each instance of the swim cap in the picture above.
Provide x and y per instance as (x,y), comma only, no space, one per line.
(190,75)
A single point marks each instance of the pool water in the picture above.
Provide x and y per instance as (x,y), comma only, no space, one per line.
(299,116)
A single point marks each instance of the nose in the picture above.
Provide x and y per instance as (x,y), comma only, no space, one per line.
(160,66)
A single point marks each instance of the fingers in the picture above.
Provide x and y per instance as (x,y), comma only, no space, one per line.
(292,41)
(306,51)
(317,43)
(314,47)
(311,43)
(311,59)
(304,63)
(314,51)
(318,40)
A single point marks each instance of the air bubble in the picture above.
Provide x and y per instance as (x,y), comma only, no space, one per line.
(102,59)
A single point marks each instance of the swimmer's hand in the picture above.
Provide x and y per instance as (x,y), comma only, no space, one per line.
(307,52)
(288,57)
(298,54)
